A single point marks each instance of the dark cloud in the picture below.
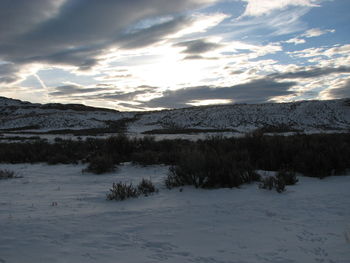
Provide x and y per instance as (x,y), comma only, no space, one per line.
(73,89)
(198,46)
(76,32)
(9,73)
(310,73)
(152,34)
(20,16)
(342,92)
(128,96)
(119,76)
(198,57)
(256,91)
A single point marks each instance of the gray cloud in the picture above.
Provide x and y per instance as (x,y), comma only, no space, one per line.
(73,89)
(152,34)
(76,32)
(198,46)
(342,92)
(127,96)
(310,73)
(9,73)
(256,91)
(20,16)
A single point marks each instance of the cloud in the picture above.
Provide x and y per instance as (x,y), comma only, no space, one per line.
(265,7)
(272,24)
(256,91)
(20,16)
(73,89)
(296,41)
(310,73)
(128,96)
(152,34)
(315,32)
(198,46)
(9,73)
(77,32)
(341,92)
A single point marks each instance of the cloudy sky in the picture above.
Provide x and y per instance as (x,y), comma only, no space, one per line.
(154,54)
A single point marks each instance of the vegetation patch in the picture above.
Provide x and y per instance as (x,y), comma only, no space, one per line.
(6,174)
(121,191)
(186,131)
(100,164)
(213,162)
(211,169)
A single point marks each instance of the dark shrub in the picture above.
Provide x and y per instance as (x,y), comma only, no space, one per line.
(100,164)
(146,158)
(173,180)
(146,187)
(211,169)
(267,182)
(121,191)
(271,182)
(288,177)
(57,158)
(6,174)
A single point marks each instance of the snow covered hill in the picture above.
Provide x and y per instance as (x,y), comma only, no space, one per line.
(303,116)
(15,114)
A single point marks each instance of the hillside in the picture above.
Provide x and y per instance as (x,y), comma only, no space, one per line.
(303,116)
(19,115)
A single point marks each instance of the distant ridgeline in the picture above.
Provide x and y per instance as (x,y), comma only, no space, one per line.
(302,116)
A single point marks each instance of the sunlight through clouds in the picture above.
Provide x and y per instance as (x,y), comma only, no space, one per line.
(142,55)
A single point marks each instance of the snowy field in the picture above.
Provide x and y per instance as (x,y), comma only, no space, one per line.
(58,214)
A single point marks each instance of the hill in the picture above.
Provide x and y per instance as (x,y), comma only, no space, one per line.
(301,116)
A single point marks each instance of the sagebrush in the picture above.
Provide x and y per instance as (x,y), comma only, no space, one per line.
(121,191)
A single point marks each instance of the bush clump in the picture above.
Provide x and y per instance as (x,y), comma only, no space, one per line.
(6,174)
(211,169)
(146,187)
(100,164)
(272,182)
(289,177)
(121,191)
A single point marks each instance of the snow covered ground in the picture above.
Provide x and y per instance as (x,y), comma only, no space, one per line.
(58,214)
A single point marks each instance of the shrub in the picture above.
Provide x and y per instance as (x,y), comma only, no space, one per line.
(288,177)
(173,180)
(211,169)
(146,158)
(6,174)
(121,191)
(146,187)
(271,182)
(100,164)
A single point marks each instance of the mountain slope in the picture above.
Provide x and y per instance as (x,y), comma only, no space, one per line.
(306,116)
(15,114)
(301,116)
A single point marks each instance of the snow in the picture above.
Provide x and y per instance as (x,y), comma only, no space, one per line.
(305,116)
(308,116)
(58,214)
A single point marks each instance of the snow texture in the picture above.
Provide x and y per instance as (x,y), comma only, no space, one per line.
(304,116)
(57,214)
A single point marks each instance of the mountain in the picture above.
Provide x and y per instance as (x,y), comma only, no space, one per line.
(301,116)
(19,115)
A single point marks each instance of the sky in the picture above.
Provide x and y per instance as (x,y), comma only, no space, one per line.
(158,54)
